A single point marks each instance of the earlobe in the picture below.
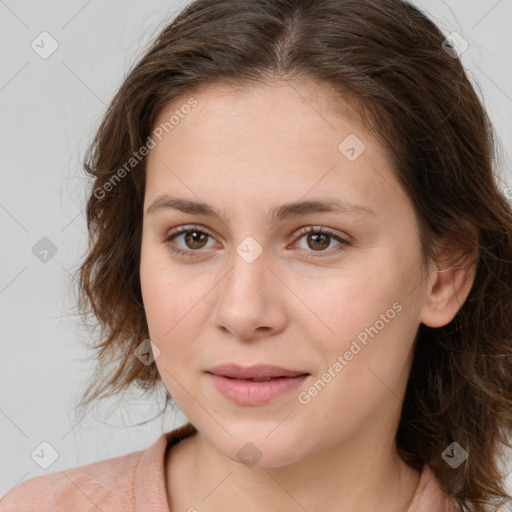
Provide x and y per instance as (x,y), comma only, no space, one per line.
(447,291)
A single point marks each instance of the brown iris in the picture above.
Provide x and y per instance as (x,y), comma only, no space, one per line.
(319,245)
(194,237)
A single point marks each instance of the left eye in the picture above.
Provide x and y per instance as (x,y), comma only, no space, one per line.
(317,239)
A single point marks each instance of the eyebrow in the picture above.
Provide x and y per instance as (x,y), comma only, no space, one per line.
(279,213)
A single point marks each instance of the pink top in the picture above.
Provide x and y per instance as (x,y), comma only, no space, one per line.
(136,483)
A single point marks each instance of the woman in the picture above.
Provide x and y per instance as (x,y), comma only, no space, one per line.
(296,229)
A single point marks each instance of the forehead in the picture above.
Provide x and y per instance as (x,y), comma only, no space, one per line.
(296,105)
(268,140)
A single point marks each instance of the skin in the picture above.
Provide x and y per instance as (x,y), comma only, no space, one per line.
(245,151)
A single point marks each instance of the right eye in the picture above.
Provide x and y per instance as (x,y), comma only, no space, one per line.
(194,239)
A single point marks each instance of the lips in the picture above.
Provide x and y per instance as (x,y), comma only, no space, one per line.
(256,373)
(255,385)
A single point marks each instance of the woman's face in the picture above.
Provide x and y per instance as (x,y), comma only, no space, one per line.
(341,304)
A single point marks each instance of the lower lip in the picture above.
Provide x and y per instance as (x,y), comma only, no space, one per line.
(248,392)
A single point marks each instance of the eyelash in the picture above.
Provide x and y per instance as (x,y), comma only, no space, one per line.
(168,239)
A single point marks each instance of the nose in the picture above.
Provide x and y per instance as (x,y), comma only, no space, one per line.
(251,300)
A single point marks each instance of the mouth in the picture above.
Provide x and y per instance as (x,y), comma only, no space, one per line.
(256,380)
(256,373)
(255,385)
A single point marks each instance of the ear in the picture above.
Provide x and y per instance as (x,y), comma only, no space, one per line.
(449,284)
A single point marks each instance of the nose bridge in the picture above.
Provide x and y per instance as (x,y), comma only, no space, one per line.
(249,276)
(246,299)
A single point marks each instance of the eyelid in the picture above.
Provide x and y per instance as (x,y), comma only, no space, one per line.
(344,241)
(324,230)
(169,235)
(306,229)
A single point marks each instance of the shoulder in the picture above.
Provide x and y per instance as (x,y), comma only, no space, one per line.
(132,482)
(108,483)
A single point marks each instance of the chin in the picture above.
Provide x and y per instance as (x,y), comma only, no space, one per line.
(261,444)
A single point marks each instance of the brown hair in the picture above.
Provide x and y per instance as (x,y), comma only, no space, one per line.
(388,57)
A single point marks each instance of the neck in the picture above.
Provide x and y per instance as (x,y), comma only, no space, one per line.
(352,476)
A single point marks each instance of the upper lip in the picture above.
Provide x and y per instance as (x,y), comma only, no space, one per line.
(260,371)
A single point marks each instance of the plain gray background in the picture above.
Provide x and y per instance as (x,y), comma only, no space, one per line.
(50,108)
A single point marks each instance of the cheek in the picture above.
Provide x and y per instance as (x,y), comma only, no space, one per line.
(366,316)
(363,361)
(160,294)
(174,302)
(342,306)
(153,293)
